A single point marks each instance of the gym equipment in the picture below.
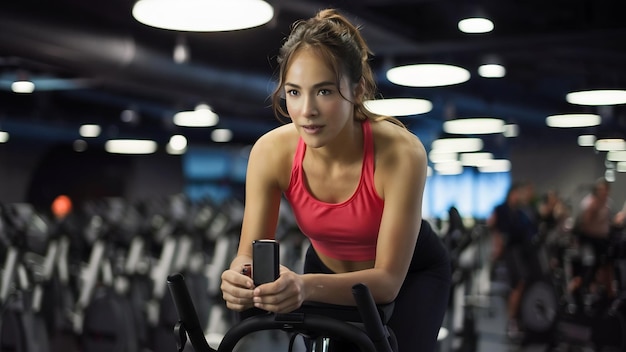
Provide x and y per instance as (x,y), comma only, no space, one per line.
(322,322)
(552,314)
(22,326)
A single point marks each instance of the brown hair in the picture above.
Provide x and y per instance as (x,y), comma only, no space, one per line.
(340,43)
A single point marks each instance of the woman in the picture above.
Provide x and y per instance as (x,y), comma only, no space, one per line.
(355,183)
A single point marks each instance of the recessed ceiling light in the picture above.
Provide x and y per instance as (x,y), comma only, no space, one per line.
(89,130)
(610,144)
(478,125)
(616,155)
(510,130)
(221,135)
(130,146)
(491,71)
(573,120)
(475,25)
(597,97)
(202,116)
(441,156)
(24,87)
(449,168)
(459,145)
(4,137)
(176,145)
(494,165)
(427,75)
(203,15)
(474,159)
(586,140)
(398,106)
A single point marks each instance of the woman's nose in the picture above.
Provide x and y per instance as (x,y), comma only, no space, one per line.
(309,107)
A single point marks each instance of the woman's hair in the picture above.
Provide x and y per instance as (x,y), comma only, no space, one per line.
(343,48)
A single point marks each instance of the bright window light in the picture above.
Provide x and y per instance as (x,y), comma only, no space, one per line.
(586,140)
(478,125)
(427,75)
(398,106)
(597,97)
(573,120)
(203,15)
(89,130)
(4,137)
(130,146)
(491,71)
(475,25)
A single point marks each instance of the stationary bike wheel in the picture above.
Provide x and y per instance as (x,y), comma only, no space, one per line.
(539,307)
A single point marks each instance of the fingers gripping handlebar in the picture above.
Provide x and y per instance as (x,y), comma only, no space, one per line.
(373,339)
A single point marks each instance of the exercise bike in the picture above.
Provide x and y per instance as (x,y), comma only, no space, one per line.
(364,325)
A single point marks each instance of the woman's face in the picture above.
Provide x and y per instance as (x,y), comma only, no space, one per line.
(314,103)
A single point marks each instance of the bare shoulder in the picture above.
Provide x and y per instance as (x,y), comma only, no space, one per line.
(273,152)
(394,143)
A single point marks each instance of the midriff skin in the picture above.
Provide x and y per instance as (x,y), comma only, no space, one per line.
(342,266)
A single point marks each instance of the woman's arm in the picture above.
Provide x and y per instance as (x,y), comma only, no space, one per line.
(259,221)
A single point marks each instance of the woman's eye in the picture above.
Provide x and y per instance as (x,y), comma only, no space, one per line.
(292,92)
(324,92)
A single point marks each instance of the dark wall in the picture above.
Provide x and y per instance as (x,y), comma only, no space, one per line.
(37,173)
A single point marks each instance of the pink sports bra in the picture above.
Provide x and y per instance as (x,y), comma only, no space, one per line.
(347,230)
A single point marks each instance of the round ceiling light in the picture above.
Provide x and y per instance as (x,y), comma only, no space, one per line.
(202,15)
(597,97)
(427,75)
(475,25)
(491,71)
(398,106)
(202,116)
(573,120)
(478,125)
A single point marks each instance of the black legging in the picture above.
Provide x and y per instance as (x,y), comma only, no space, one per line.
(422,302)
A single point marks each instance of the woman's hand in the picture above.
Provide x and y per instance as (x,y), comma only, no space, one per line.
(237,290)
(281,296)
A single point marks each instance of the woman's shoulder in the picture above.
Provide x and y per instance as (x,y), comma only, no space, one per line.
(393,141)
(282,139)
(273,152)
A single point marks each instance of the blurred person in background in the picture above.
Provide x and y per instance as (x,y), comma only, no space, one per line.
(512,225)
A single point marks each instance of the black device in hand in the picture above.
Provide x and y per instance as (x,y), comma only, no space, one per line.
(264,261)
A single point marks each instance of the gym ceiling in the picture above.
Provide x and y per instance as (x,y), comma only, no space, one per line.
(95,63)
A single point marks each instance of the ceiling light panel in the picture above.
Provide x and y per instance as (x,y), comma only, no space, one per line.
(427,75)
(398,106)
(475,25)
(597,97)
(573,120)
(203,15)
(479,125)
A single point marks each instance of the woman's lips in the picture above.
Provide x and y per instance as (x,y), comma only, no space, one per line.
(312,129)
